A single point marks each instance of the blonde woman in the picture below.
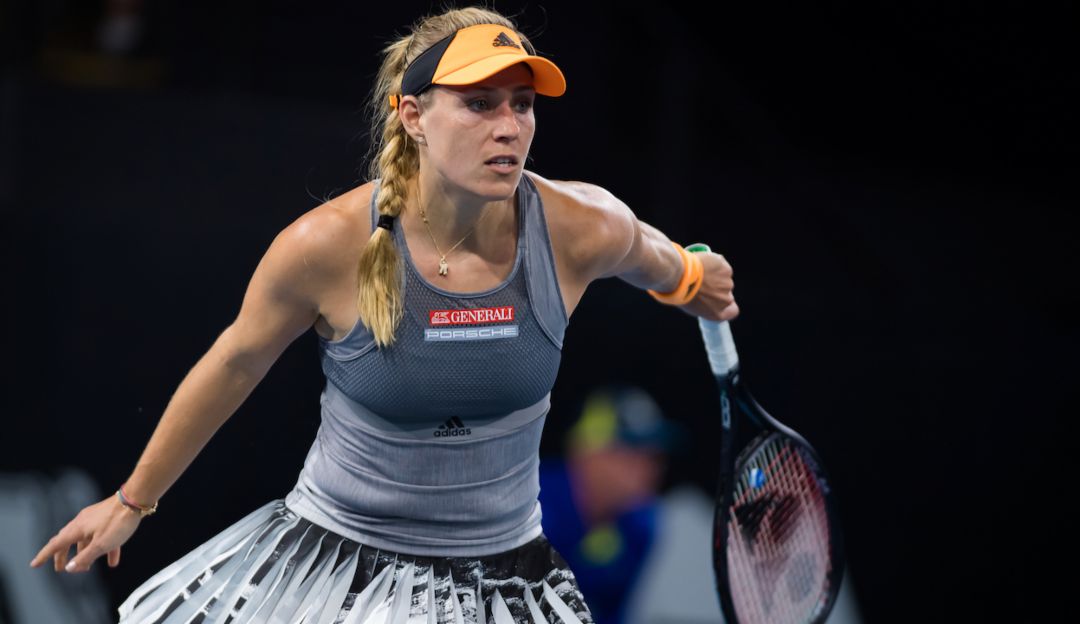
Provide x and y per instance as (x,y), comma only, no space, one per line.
(440,292)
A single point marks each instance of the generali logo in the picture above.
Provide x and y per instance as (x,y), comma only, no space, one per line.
(473,316)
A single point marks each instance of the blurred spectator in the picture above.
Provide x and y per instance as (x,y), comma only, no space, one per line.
(600,504)
(639,557)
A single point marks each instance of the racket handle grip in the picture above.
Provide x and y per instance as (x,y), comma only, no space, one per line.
(719,344)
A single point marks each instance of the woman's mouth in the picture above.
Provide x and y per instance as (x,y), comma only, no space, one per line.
(503,164)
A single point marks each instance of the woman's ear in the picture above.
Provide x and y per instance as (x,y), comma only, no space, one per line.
(409,111)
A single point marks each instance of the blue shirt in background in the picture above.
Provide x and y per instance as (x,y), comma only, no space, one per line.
(606,559)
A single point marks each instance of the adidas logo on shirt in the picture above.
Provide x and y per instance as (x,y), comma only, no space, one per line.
(452,428)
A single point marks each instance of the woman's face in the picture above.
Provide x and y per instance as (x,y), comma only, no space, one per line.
(466,126)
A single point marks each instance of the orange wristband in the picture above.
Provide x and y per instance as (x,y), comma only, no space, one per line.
(689,284)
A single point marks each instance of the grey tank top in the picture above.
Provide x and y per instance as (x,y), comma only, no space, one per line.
(430,446)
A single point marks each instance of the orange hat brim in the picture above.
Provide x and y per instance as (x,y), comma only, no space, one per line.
(548,79)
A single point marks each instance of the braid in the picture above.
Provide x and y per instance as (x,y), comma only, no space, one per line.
(381,302)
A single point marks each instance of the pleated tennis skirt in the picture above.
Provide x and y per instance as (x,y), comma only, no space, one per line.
(276,567)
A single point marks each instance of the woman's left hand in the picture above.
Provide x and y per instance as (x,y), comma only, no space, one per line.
(715,301)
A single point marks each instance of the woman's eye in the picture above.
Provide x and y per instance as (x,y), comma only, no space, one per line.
(479,105)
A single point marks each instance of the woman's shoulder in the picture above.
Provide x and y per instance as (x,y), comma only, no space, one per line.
(571,194)
(333,233)
(572,203)
(589,225)
(348,211)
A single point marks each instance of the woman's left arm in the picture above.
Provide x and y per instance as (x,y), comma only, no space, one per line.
(643,256)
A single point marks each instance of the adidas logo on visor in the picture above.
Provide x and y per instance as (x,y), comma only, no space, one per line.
(452,428)
(504,40)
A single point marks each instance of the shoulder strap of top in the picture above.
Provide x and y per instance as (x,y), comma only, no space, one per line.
(374,202)
(543,284)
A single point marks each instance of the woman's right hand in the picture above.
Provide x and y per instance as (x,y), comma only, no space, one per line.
(97,529)
(715,301)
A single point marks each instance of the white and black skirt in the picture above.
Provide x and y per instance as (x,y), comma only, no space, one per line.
(274,566)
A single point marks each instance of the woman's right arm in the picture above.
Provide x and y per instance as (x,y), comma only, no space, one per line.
(280,304)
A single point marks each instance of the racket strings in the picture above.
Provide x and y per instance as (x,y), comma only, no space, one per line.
(773,535)
(778,545)
(786,538)
(758,519)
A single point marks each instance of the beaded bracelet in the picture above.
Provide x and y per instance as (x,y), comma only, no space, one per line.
(142,510)
(689,284)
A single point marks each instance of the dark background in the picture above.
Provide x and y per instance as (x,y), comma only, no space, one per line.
(891,182)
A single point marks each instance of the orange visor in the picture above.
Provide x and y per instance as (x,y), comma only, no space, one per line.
(471,55)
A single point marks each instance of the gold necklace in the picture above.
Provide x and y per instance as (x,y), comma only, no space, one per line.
(443,266)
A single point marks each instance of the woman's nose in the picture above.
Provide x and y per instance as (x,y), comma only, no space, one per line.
(507,123)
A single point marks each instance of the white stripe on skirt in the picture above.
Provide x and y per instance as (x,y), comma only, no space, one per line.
(274,567)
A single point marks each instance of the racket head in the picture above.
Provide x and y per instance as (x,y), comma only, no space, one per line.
(778,551)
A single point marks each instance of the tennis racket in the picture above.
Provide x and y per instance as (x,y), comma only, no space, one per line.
(777,549)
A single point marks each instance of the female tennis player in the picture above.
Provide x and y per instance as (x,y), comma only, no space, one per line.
(440,292)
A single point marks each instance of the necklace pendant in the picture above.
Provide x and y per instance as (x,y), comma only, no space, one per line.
(443,267)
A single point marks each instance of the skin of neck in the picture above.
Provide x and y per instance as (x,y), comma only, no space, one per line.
(452,211)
